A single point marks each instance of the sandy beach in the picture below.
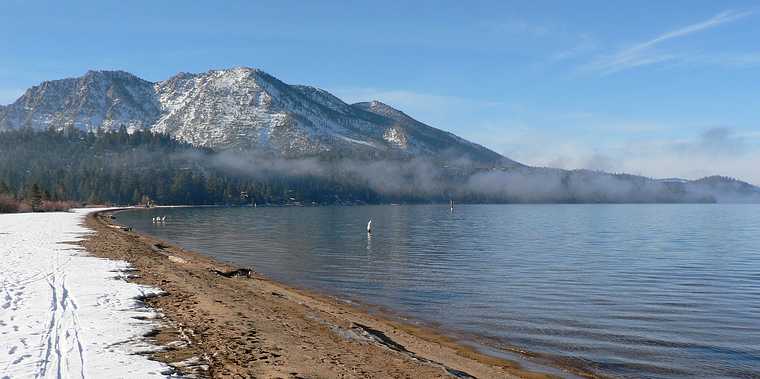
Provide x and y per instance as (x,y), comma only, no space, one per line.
(249,326)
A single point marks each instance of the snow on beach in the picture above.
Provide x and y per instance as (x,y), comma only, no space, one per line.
(64,314)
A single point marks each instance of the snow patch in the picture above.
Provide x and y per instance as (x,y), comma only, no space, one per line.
(64,314)
(356,141)
(395,137)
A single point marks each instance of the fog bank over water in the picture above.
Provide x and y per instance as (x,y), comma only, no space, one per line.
(470,181)
(713,151)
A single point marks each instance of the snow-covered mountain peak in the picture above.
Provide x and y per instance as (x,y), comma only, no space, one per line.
(98,99)
(242,108)
(380,106)
(110,74)
(235,75)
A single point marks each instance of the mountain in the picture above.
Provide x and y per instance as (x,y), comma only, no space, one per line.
(726,190)
(237,111)
(104,99)
(241,109)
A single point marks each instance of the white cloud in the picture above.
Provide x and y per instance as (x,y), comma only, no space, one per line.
(715,151)
(646,53)
(718,19)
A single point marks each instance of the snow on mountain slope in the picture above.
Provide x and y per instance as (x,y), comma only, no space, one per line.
(239,108)
(105,99)
(227,109)
(404,132)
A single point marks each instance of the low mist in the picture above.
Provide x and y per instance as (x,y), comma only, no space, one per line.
(421,179)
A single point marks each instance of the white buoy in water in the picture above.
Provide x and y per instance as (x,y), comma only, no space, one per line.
(369,226)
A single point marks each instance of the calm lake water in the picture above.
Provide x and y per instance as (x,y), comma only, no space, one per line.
(657,291)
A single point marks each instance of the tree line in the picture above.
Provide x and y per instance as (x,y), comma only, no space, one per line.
(43,170)
(132,168)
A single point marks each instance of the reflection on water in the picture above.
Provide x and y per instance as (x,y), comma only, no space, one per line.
(630,290)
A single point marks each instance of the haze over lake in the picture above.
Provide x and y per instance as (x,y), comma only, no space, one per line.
(657,291)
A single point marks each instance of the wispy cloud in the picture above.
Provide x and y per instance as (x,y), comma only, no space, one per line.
(585,44)
(710,151)
(646,53)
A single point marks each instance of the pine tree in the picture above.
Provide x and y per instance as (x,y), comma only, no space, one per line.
(136,196)
(35,196)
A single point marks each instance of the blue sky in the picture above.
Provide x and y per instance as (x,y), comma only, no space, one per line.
(654,88)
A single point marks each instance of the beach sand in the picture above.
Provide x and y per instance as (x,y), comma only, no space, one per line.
(241,327)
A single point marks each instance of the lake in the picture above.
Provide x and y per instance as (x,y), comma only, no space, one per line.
(657,291)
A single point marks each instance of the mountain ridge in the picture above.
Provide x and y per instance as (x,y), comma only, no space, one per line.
(237,108)
(248,110)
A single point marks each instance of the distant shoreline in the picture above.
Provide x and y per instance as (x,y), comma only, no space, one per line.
(426,347)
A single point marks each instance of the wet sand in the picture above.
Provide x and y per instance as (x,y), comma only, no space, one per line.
(247,326)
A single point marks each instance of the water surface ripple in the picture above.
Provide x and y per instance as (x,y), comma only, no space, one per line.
(657,291)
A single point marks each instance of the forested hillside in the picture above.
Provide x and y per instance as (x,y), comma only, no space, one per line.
(122,168)
(133,168)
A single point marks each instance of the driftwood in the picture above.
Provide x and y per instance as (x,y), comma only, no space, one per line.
(122,228)
(241,272)
(158,247)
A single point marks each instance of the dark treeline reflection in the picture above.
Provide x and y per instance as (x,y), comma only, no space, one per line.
(123,168)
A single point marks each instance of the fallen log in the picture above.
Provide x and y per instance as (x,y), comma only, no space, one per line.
(241,272)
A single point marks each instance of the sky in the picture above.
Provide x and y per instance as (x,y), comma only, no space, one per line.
(657,88)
